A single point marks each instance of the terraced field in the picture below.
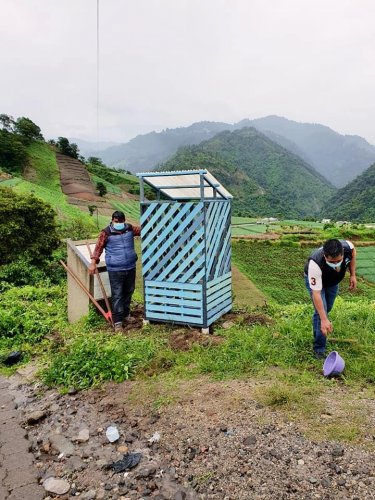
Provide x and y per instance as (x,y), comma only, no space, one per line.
(366,262)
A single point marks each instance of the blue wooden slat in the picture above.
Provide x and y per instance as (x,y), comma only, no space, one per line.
(152,234)
(218,238)
(214,234)
(217,281)
(199,276)
(184,319)
(219,308)
(175,310)
(178,256)
(185,276)
(177,286)
(221,292)
(160,209)
(223,252)
(225,309)
(191,260)
(219,300)
(176,234)
(196,302)
(181,294)
(147,212)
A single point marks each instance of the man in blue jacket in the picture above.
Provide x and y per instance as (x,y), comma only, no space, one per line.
(120,257)
(324,270)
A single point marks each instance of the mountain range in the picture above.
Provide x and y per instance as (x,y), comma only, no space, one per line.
(339,158)
(265,178)
(356,201)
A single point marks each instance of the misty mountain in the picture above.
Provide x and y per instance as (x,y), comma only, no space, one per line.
(145,151)
(356,201)
(339,158)
(91,148)
(265,178)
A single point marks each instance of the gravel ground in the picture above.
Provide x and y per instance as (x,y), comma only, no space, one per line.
(216,442)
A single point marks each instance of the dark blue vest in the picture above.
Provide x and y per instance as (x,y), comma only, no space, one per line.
(119,249)
(331,277)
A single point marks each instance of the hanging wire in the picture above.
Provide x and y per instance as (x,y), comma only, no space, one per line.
(97,73)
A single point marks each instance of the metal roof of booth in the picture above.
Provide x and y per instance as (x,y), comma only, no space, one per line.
(185,185)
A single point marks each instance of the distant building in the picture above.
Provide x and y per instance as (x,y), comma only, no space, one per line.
(267,220)
(326,221)
(342,222)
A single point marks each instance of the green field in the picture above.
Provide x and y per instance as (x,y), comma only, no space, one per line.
(277,270)
(366,262)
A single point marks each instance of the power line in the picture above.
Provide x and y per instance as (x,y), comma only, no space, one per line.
(97,73)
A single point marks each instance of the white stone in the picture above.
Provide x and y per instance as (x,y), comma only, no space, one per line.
(57,486)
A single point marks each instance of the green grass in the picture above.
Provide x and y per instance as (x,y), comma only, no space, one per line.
(277,270)
(366,262)
(111,188)
(42,159)
(130,208)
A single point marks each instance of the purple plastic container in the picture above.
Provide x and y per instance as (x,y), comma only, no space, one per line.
(333,365)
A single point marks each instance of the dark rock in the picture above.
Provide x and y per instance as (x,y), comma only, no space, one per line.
(108,487)
(35,416)
(145,472)
(341,482)
(250,441)
(326,482)
(180,495)
(72,391)
(12,358)
(337,451)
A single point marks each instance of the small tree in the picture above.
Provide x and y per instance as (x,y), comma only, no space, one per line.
(67,148)
(94,160)
(28,130)
(13,154)
(27,228)
(7,122)
(102,190)
(92,209)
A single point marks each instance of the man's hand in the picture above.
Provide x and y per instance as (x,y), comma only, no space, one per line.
(353,282)
(92,267)
(326,326)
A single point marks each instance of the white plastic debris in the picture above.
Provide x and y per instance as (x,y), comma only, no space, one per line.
(155,437)
(112,433)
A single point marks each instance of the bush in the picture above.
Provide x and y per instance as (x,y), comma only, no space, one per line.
(27,228)
(90,359)
(67,148)
(77,229)
(28,314)
(13,154)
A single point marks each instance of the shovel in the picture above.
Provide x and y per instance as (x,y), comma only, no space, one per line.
(107,315)
(104,293)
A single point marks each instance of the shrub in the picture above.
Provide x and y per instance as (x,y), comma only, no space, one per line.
(27,228)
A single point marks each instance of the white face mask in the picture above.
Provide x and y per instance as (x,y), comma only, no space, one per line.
(334,265)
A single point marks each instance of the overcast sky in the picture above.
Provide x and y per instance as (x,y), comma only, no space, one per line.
(169,63)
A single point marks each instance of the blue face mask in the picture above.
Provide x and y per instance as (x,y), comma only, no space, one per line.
(334,265)
(119,226)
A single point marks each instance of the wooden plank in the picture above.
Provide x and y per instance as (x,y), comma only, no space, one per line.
(219,310)
(183,319)
(221,299)
(218,315)
(176,286)
(219,293)
(175,310)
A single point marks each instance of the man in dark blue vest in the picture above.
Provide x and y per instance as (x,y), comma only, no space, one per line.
(120,257)
(324,270)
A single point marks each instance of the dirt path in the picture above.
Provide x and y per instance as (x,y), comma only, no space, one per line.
(18,475)
(216,442)
(246,294)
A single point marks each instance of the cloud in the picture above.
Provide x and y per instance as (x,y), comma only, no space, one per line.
(167,63)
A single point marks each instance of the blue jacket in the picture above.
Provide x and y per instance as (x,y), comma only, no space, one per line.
(119,249)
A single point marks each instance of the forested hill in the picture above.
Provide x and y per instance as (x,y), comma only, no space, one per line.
(145,151)
(356,201)
(340,158)
(265,179)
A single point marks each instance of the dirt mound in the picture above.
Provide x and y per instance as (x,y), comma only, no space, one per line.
(75,179)
(184,339)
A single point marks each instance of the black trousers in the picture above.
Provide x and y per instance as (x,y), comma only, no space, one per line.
(122,288)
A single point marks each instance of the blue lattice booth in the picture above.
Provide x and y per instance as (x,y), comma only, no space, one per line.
(186,247)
